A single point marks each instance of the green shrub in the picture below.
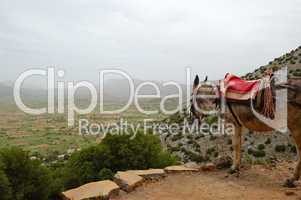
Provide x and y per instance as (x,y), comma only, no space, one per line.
(28,179)
(196,145)
(190,137)
(174,149)
(250,151)
(180,144)
(280,148)
(211,119)
(117,153)
(292,148)
(177,137)
(210,150)
(200,135)
(258,153)
(5,189)
(297,73)
(261,147)
(268,141)
(184,150)
(195,157)
(190,142)
(176,118)
(105,174)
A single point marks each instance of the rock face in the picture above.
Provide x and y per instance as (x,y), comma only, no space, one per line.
(149,173)
(180,168)
(95,190)
(128,181)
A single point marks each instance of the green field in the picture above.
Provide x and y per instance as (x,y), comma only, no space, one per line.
(49,134)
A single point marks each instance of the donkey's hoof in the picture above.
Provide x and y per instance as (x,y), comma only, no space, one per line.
(233,170)
(289,183)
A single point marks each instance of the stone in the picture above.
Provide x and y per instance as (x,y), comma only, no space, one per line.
(95,190)
(208,167)
(149,173)
(179,168)
(223,162)
(289,193)
(192,165)
(127,181)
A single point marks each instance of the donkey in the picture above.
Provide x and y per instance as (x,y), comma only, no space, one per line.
(241,115)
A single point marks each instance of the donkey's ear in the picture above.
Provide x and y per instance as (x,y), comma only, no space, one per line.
(206,79)
(196,81)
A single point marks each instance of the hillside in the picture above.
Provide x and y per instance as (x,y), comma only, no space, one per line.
(292,60)
(257,147)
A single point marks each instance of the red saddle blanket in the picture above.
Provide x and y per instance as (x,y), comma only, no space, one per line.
(233,87)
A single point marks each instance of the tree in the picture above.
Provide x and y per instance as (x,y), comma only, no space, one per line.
(116,153)
(29,180)
(5,189)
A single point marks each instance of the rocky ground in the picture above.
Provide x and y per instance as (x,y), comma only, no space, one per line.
(257,148)
(254,182)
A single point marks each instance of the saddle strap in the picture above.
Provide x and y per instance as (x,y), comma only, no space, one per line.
(233,114)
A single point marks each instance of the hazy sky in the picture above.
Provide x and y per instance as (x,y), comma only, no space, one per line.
(150,39)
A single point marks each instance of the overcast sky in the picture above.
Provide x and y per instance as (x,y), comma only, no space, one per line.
(149,39)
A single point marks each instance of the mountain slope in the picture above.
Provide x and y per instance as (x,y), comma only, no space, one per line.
(292,60)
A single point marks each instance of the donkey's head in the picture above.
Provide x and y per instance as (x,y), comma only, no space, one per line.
(204,98)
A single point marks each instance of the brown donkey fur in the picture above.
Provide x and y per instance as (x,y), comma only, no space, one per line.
(241,115)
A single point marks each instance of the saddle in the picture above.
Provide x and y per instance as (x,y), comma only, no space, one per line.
(236,90)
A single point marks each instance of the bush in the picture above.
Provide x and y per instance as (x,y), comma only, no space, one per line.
(211,119)
(195,157)
(297,73)
(210,150)
(250,151)
(27,179)
(292,148)
(174,149)
(280,148)
(199,136)
(261,147)
(105,174)
(177,137)
(258,153)
(117,153)
(190,137)
(5,189)
(268,141)
(190,141)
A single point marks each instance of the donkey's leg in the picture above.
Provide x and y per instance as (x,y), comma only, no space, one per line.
(296,134)
(236,140)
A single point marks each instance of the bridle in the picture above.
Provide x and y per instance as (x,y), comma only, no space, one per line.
(194,101)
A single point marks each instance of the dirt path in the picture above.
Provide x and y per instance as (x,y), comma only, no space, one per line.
(256,182)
